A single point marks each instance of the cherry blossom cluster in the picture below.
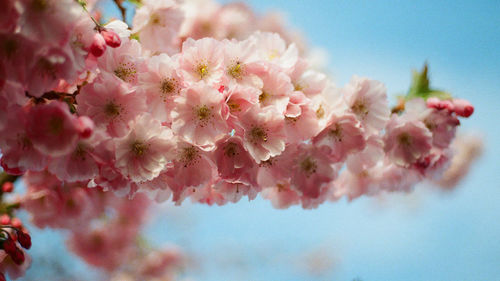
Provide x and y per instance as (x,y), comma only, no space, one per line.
(195,100)
(215,121)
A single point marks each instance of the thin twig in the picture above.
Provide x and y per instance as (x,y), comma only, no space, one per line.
(119,4)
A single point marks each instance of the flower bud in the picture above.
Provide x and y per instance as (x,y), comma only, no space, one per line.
(8,187)
(463,107)
(85,126)
(4,219)
(17,256)
(24,239)
(111,38)
(438,104)
(17,223)
(98,45)
(9,246)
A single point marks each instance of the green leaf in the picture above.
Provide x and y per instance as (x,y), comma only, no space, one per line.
(420,86)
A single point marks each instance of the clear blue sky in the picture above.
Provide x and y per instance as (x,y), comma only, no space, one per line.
(427,235)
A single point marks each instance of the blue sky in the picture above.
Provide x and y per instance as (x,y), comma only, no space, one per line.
(426,235)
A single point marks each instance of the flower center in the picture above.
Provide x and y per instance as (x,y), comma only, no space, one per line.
(126,71)
(202,70)
(235,70)
(336,133)
(404,139)
(167,86)
(111,109)
(320,112)
(231,149)
(258,134)
(138,148)
(39,5)
(263,97)
(189,155)
(360,109)
(203,113)
(233,106)
(308,166)
(155,19)
(56,125)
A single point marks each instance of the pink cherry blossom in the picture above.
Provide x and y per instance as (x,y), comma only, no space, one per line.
(200,115)
(368,101)
(144,152)
(234,163)
(110,103)
(160,84)
(52,128)
(406,141)
(202,60)
(158,24)
(341,137)
(263,133)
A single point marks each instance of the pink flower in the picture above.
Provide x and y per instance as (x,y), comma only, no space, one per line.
(406,141)
(341,137)
(192,169)
(158,24)
(200,115)
(368,101)
(240,63)
(263,133)
(276,89)
(310,169)
(80,164)
(202,60)
(49,21)
(281,196)
(110,104)
(273,48)
(234,20)
(18,152)
(52,128)
(160,84)
(144,152)
(125,62)
(233,192)
(48,66)
(233,161)
(303,126)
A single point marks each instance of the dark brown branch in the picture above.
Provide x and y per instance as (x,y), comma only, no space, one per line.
(123,11)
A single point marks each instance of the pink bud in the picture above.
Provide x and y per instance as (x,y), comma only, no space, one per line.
(8,187)
(4,219)
(111,38)
(85,126)
(463,107)
(98,45)
(17,223)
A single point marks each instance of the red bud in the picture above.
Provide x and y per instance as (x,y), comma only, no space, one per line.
(98,45)
(2,277)
(8,187)
(4,219)
(111,38)
(24,239)
(18,256)
(463,107)
(17,223)
(9,246)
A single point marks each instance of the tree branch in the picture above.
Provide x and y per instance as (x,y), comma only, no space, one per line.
(123,11)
